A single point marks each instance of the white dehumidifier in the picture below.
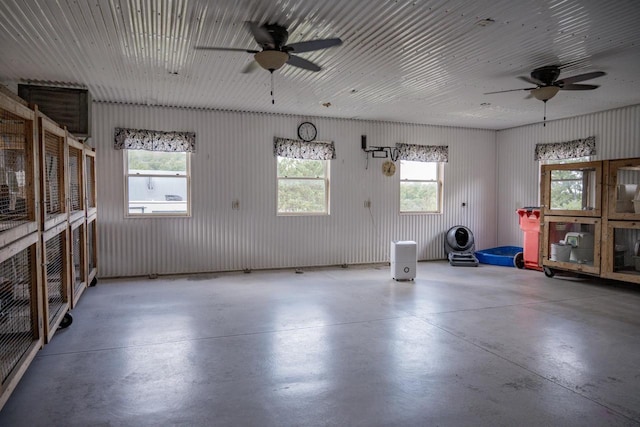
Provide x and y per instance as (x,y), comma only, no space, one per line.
(404,260)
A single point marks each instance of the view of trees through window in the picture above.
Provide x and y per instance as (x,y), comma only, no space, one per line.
(419,186)
(159,161)
(302,186)
(567,189)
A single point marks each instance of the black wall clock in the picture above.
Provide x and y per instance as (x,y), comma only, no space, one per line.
(307,131)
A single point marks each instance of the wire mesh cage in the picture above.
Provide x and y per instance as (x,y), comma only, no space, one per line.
(77,257)
(90,172)
(75,179)
(16,198)
(53,179)
(55,278)
(17,309)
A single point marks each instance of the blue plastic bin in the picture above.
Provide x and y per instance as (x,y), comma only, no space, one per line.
(502,255)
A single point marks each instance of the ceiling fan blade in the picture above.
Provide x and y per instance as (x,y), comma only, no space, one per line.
(509,90)
(250,67)
(531,80)
(261,35)
(296,61)
(310,45)
(579,87)
(581,77)
(224,49)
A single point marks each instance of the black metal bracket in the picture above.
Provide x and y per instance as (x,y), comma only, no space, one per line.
(382,152)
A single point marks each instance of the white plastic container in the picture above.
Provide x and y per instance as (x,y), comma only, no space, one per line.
(560,253)
(403,260)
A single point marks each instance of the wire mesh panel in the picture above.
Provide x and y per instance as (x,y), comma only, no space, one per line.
(17,328)
(15,151)
(55,277)
(53,174)
(75,179)
(77,257)
(91,181)
(91,246)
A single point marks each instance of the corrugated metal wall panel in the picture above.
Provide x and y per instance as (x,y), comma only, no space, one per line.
(617,135)
(234,161)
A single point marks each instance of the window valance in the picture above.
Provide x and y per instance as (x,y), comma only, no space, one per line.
(153,140)
(423,153)
(566,150)
(296,149)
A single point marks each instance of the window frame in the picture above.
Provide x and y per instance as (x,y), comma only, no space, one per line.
(439,184)
(557,162)
(327,185)
(127,175)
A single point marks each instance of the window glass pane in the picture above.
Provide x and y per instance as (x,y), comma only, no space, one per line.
(298,168)
(573,189)
(301,196)
(423,171)
(157,194)
(156,162)
(418,196)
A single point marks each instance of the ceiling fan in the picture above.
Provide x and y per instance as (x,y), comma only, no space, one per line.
(547,84)
(272,38)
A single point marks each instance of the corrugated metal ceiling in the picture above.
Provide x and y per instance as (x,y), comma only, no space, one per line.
(409,61)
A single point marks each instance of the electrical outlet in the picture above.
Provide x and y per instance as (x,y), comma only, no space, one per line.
(367,203)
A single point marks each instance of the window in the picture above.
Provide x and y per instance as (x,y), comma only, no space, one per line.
(303,186)
(567,186)
(420,187)
(157,183)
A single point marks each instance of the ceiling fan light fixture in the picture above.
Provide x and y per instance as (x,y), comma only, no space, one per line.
(271,59)
(545,93)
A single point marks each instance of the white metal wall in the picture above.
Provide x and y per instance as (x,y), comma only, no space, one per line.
(234,161)
(617,135)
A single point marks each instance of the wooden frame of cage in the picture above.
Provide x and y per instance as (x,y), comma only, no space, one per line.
(46,125)
(31,243)
(72,146)
(92,250)
(29,223)
(77,288)
(51,325)
(91,193)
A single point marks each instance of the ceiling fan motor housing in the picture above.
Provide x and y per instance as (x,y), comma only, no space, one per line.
(547,75)
(279,36)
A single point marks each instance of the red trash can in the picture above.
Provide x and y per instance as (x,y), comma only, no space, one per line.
(530,224)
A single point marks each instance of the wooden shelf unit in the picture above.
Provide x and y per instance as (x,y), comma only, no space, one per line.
(21,315)
(48,233)
(604,211)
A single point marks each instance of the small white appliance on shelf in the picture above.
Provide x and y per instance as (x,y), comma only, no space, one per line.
(581,246)
(403,260)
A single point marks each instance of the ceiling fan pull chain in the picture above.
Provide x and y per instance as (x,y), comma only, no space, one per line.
(544,120)
(273,101)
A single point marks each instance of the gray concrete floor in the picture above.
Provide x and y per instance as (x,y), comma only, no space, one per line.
(459,346)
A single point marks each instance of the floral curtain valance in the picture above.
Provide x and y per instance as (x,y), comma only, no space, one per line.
(423,153)
(153,140)
(566,150)
(296,149)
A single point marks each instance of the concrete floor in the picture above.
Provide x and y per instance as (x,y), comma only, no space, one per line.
(459,346)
